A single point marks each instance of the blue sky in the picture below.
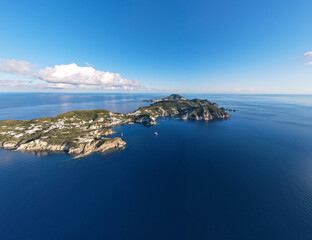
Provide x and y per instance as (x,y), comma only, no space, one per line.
(153,46)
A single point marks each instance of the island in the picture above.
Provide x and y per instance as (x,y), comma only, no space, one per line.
(81,133)
(172,97)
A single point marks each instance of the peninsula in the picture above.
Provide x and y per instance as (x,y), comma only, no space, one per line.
(80,133)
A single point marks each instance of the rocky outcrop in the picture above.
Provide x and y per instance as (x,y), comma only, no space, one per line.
(41,145)
(8,144)
(97,146)
(147,120)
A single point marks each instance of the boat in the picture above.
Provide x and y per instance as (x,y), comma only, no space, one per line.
(156,133)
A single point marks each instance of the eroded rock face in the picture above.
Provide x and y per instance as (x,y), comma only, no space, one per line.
(9,145)
(80,150)
(98,146)
(41,145)
(81,133)
(147,120)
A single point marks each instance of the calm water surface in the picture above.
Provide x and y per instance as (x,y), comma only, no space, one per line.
(248,177)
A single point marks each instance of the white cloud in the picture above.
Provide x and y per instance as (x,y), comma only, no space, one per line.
(76,75)
(307,55)
(68,77)
(14,66)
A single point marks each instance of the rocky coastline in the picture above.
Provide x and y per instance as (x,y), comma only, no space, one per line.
(81,133)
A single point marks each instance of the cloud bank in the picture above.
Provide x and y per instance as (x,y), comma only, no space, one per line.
(14,66)
(70,76)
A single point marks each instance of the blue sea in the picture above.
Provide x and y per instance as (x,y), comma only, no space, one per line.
(247,177)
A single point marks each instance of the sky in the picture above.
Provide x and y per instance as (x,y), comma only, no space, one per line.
(224,46)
